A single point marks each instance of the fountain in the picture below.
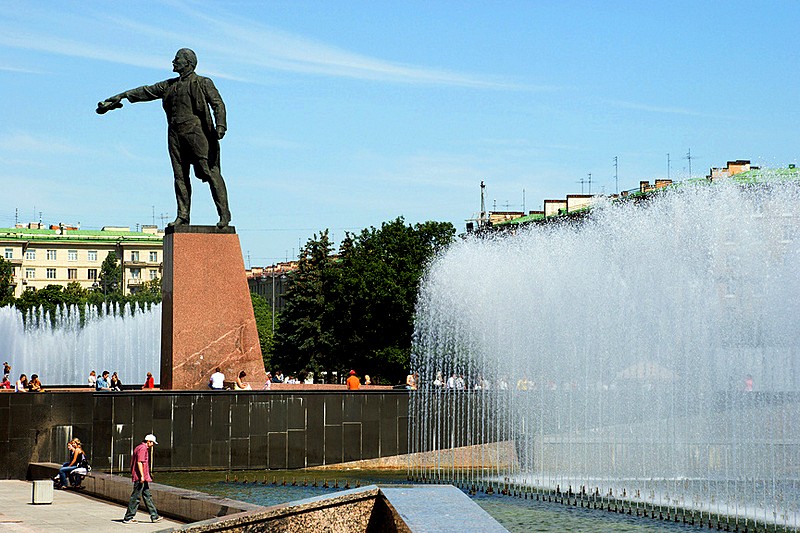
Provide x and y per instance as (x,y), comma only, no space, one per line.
(62,349)
(645,358)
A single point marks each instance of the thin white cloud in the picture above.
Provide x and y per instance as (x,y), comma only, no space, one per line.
(27,143)
(255,48)
(18,70)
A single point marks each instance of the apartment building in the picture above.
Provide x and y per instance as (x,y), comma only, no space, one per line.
(62,254)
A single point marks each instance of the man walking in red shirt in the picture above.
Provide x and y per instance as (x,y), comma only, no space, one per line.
(140,472)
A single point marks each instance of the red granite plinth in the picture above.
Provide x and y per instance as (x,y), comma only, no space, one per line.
(207,315)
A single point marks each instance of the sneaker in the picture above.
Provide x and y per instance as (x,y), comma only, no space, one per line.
(157,519)
(129,521)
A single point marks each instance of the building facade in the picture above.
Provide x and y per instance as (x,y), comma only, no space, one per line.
(61,255)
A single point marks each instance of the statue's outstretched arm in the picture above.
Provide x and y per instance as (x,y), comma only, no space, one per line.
(144,93)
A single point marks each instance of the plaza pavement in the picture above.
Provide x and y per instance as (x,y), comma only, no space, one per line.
(70,511)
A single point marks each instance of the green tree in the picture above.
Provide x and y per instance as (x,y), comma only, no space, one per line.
(111,277)
(380,271)
(263,315)
(304,338)
(6,277)
(148,294)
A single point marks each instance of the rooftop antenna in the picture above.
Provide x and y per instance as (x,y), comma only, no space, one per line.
(582,181)
(248,260)
(689,157)
(163,217)
(154,215)
(616,173)
(16,216)
(590,183)
(483,204)
(523,200)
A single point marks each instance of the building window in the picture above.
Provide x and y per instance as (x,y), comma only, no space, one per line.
(51,255)
(153,274)
(92,255)
(154,257)
(72,255)
(136,273)
(92,274)
(72,273)
(30,273)
(135,256)
(9,253)
(30,255)
(51,273)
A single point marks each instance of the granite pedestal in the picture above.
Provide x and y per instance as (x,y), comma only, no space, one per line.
(207,314)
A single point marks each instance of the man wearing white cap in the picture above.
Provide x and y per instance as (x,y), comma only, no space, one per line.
(140,473)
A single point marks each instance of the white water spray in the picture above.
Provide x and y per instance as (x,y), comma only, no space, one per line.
(63,352)
(650,352)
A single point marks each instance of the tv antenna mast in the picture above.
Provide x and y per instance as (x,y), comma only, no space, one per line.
(689,158)
(616,173)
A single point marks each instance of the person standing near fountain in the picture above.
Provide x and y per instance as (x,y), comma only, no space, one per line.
(193,138)
(22,384)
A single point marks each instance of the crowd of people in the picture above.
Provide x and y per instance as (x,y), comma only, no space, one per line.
(23,384)
(114,383)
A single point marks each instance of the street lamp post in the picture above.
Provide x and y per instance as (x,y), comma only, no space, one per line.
(273,302)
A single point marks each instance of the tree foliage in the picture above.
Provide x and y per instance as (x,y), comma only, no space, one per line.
(304,338)
(358,311)
(110,278)
(263,315)
(6,275)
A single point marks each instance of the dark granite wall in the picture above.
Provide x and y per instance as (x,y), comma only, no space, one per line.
(203,430)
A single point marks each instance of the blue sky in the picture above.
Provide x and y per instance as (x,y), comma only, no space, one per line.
(342,115)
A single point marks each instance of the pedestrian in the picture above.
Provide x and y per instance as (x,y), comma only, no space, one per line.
(102,382)
(241,385)
(411,381)
(22,384)
(5,384)
(149,383)
(77,459)
(34,385)
(6,368)
(93,379)
(116,384)
(140,474)
(217,381)
(353,383)
(367,380)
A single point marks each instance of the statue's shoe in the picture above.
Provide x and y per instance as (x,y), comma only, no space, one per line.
(180,221)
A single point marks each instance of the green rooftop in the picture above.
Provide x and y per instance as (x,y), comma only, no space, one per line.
(761,175)
(19,234)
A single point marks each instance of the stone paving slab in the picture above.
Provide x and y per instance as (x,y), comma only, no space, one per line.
(439,508)
(70,511)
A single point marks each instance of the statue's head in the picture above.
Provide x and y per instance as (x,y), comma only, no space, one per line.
(185,61)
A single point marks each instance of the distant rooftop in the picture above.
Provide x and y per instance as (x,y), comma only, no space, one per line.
(78,235)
